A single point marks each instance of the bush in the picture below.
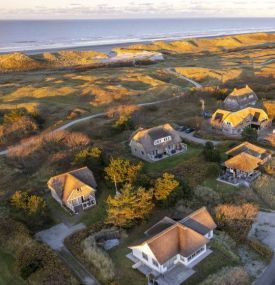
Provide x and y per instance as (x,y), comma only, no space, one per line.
(207,195)
(35,151)
(210,153)
(236,219)
(99,259)
(250,134)
(260,248)
(228,276)
(264,186)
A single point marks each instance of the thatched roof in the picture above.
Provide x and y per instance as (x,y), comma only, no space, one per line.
(242,92)
(249,148)
(200,221)
(236,118)
(147,137)
(73,184)
(244,162)
(184,237)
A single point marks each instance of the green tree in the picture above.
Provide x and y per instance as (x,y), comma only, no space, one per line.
(122,171)
(250,134)
(129,206)
(210,153)
(164,186)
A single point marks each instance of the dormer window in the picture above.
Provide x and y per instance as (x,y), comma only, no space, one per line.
(162,140)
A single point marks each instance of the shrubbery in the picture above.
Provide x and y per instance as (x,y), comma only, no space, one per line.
(35,262)
(236,219)
(35,151)
(260,248)
(228,276)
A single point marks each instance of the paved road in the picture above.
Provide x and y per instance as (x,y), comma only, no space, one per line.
(268,277)
(190,137)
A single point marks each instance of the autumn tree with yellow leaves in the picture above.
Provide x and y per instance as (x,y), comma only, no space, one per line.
(122,171)
(129,206)
(164,186)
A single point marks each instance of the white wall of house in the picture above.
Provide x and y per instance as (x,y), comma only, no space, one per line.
(55,196)
(143,254)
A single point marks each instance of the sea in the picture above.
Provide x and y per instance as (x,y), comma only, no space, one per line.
(33,36)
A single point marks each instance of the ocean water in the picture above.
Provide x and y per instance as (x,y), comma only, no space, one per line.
(57,34)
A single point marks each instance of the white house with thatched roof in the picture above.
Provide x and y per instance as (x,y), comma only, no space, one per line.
(156,143)
(240,98)
(171,244)
(75,189)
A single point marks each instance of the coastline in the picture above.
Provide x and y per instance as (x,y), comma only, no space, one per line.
(107,48)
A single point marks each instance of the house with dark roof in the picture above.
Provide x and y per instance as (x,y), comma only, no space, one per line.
(156,143)
(75,189)
(243,164)
(174,246)
(240,98)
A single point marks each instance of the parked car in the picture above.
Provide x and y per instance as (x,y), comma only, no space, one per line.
(189,130)
(182,128)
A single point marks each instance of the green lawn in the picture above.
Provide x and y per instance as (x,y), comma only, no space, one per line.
(210,265)
(7,270)
(219,187)
(172,162)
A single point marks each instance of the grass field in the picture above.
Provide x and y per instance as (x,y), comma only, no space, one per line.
(7,270)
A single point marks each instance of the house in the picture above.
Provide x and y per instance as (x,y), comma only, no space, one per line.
(75,189)
(233,123)
(240,98)
(156,143)
(242,166)
(251,149)
(172,244)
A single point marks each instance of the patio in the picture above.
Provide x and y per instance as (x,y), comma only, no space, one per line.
(230,179)
(175,276)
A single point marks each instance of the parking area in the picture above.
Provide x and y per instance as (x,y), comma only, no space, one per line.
(263,228)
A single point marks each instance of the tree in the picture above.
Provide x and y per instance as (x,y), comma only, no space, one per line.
(31,204)
(210,153)
(164,186)
(250,134)
(123,123)
(129,206)
(91,156)
(122,171)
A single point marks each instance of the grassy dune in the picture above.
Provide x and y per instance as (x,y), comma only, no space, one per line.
(209,44)
(21,62)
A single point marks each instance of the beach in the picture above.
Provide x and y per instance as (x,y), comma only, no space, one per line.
(34,37)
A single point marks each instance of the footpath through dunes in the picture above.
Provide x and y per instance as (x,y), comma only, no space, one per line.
(213,44)
(77,121)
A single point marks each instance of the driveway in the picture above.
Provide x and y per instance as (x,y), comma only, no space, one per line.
(191,138)
(54,237)
(263,230)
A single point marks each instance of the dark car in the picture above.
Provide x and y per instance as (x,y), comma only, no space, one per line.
(182,129)
(189,130)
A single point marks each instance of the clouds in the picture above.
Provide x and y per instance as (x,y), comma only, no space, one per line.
(135,8)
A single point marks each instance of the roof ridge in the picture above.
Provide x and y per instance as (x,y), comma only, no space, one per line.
(194,213)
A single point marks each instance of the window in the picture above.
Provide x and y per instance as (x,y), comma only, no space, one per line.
(145,256)
(155,262)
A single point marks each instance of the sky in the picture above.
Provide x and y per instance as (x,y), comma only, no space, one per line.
(109,9)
